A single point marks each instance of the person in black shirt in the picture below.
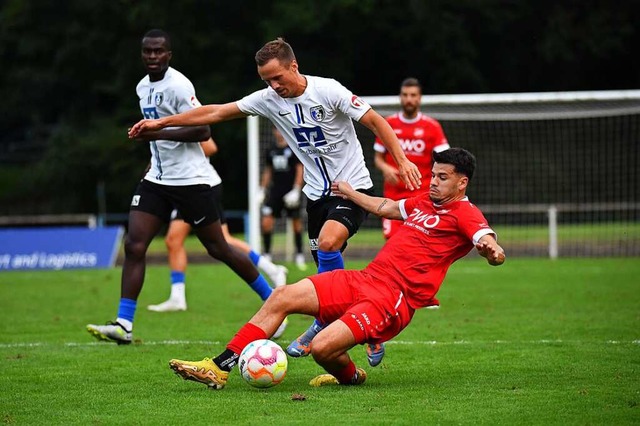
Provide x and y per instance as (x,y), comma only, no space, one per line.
(280,187)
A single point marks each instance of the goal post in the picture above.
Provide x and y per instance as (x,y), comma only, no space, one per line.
(558,172)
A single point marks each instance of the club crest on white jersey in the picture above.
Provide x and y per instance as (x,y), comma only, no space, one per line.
(159,98)
(317,112)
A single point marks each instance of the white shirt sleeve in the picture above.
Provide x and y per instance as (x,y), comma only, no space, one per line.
(252,104)
(345,101)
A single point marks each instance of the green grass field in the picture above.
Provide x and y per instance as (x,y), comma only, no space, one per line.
(532,235)
(531,342)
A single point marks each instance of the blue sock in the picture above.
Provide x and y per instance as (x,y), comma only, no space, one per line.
(262,287)
(329,260)
(317,326)
(127,309)
(255,257)
(177,277)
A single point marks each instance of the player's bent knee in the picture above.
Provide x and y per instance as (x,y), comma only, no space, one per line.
(330,244)
(135,249)
(322,350)
(220,251)
(283,300)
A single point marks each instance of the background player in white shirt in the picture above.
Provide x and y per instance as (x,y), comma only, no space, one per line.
(314,115)
(180,177)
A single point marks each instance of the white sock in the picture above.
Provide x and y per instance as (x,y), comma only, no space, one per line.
(177,292)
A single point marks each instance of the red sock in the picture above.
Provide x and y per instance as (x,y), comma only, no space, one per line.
(346,374)
(247,334)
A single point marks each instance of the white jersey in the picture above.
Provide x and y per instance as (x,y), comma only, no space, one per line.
(317,126)
(174,163)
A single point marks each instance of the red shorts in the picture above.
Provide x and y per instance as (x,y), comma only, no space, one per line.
(374,311)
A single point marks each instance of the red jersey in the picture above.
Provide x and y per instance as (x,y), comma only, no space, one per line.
(431,238)
(418,138)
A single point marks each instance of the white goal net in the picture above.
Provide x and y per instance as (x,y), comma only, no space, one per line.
(557,175)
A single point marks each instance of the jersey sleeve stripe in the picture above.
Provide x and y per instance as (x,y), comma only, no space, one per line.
(403,212)
(378,147)
(481,233)
(442,147)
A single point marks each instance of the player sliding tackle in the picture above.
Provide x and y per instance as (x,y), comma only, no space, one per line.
(375,304)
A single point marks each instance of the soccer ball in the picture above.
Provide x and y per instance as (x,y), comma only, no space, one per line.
(263,363)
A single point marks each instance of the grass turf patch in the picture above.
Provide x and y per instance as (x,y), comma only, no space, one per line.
(531,342)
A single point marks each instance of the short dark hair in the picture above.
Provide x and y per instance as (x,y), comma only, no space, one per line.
(463,161)
(156,33)
(411,82)
(275,49)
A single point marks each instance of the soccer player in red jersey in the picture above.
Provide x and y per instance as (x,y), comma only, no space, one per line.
(375,304)
(419,136)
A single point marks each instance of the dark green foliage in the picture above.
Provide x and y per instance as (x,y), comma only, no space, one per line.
(69,73)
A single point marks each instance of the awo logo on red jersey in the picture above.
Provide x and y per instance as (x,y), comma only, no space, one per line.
(420,219)
(413,145)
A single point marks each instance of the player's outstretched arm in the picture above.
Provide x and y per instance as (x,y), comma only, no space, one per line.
(207,114)
(408,171)
(489,248)
(179,134)
(383,207)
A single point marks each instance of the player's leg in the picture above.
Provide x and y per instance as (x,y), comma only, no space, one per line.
(142,228)
(276,273)
(329,350)
(266,228)
(296,221)
(217,247)
(332,221)
(201,207)
(296,298)
(331,241)
(148,209)
(177,256)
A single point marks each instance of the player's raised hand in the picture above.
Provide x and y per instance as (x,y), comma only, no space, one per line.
(145,125)
(410,175)
(491,251)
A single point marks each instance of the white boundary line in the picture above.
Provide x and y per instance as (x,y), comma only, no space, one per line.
(393,342)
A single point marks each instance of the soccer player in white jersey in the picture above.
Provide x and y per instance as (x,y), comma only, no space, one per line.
(315,115)
(180,176)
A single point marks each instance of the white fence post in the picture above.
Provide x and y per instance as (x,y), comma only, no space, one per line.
(553,232)
(253,178)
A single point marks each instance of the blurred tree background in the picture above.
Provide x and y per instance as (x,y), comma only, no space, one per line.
(69,71)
